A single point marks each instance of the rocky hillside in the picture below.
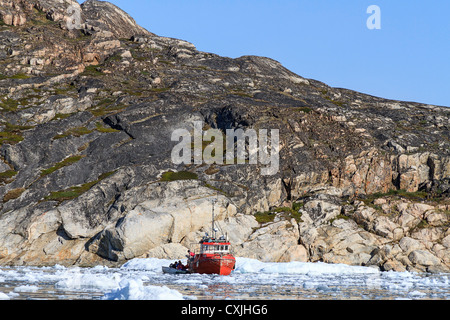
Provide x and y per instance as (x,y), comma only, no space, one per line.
(86,176)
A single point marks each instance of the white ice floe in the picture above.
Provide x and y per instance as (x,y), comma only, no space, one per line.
(27,288)
(246,265)
(4,296)
(89,281)
(135,290)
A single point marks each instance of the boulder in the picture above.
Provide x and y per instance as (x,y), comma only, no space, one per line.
(446,241)
(423,258)
(274,242)
(168,216)
(408,245)
(295,253)
(393,265)
(238,228)
(342,242)
(140,231)
(386,228)
(436,219)
(322,208)
(429,234)
(172,251)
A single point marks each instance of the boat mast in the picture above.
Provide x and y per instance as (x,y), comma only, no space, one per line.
(213,233)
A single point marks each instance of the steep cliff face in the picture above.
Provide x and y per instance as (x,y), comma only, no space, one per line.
(86,176)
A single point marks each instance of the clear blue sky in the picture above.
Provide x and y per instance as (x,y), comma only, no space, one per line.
(327,40)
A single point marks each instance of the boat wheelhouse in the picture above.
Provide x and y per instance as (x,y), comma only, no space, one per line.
(214,257)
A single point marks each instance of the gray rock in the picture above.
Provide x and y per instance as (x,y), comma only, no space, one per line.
(106,16)
(274,242)
(172,251)
(322,208)
(171,211)
(409,244)
(423,258)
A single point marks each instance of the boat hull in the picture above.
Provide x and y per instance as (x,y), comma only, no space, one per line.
(212,264)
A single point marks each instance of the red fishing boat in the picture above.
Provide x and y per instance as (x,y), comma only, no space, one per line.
(214,255)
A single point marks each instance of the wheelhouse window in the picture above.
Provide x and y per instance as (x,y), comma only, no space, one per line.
(210,248)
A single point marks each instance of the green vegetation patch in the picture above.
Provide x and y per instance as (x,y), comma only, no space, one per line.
(264,217)
(181,175)
(40,19)
(16,128)
(340,216)
(75,192)
(297,206)
(12,134)
(7,175)
(158,90)
(63,90)
(76,132)
(93,71)
(8,104)
(217,189)
(101,128)
(414,196)
(284,212)
(422,224)
(303,109)
(289,213)
(10,138)
(60,116)
(241,93)
(13,194)
(66,162)
(20,76)
(105,107)
(336,102)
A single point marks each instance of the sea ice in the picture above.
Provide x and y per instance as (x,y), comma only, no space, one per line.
(28,288)
(88,281)
(4,296)
(246,265)
(135,290)
(143,279)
